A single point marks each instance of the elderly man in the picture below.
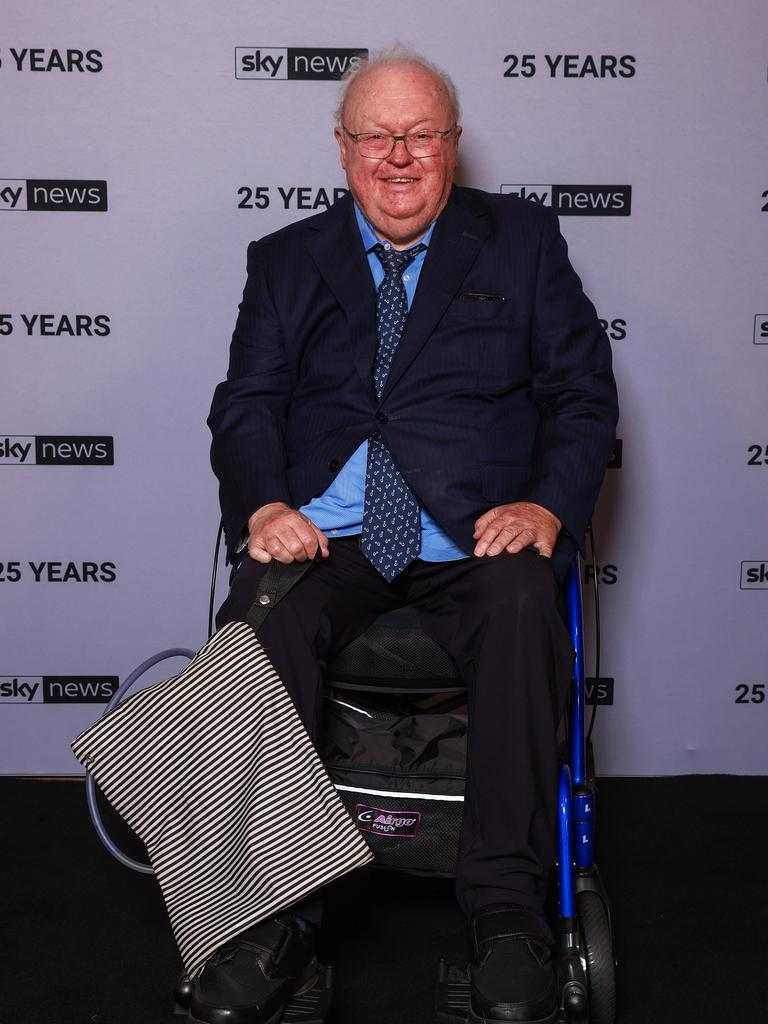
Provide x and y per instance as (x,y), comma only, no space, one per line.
(419,390)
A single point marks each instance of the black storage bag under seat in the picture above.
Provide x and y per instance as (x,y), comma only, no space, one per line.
(401,777)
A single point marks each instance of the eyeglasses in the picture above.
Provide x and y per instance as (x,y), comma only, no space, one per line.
(379,145)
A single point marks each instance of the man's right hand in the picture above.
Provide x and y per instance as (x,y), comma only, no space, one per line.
(277,531)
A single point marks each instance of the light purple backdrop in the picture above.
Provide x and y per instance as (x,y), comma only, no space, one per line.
(180,141)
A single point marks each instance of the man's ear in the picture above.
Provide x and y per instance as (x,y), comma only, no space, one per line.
(342,141)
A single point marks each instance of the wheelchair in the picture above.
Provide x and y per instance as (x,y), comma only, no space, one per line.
(391,674)
(394,672)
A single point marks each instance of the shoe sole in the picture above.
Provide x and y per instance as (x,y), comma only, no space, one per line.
(306,982)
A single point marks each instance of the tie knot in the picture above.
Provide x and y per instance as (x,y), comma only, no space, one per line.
(395,261)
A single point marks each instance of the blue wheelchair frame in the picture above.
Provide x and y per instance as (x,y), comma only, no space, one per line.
(576,792)
(575,803)
(576,868)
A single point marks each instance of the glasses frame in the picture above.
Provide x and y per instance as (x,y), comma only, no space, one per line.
(394,139)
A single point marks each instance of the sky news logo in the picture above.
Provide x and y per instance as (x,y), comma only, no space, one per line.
(57,689)
(53,194)
(754,576)
(304,64)
(760,331)
(577,200)
(56,450)
(598,691)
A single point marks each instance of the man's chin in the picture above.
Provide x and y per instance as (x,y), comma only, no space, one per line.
(401,227)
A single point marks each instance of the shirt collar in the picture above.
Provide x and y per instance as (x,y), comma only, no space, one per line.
(370,238)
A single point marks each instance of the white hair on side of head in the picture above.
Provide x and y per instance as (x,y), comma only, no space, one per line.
(391,57)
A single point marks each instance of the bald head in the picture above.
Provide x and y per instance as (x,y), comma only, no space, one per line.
(407,62)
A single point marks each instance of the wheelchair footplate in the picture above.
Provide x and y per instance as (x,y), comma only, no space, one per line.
(311,1007)
(453,993)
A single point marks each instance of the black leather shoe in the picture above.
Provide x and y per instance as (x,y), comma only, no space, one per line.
(250,979)
(510,970)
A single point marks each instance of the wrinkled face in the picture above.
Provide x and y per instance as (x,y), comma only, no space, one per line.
(400,195)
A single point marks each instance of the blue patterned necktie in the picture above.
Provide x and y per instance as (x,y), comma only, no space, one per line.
(391,537)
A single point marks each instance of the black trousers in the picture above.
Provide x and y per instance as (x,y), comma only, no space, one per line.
(499,619)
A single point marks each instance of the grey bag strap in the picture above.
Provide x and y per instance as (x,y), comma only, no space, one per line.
(277,581)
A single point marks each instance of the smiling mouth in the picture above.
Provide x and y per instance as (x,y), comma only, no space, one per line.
(400,181)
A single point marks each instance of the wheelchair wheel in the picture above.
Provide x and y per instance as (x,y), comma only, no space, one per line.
(597,951)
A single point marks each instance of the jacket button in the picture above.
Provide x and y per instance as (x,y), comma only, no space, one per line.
(381,417)
(334,465)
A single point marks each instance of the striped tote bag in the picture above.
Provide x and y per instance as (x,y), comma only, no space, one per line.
(215,773)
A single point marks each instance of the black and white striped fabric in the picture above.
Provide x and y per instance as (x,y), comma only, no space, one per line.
(214,771)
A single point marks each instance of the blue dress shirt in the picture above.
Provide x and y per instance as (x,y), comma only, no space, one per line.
(338,511)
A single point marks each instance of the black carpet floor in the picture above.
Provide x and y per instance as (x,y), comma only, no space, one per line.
(86,941)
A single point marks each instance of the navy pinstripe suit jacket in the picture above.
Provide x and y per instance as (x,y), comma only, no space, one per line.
(489,400)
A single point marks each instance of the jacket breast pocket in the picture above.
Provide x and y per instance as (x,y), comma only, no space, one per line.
(479,309)
(501,482)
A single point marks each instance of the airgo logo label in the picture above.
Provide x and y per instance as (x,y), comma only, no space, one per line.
(577,200)
(53,194)
(387,823)
(57,689)
(56,450)
(754,576)
(760,330)
(307,64)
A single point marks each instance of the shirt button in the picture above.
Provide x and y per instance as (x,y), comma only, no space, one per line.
(406,277)
(381,417)
(334,465)
(334,532)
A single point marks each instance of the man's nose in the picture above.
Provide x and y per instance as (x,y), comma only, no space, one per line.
(399,155)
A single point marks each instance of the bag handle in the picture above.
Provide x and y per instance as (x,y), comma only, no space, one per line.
(275,584)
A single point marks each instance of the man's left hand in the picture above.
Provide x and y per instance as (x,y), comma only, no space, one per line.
(513,527)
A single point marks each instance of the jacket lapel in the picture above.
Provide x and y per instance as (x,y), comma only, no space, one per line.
(337,250)
(458,237)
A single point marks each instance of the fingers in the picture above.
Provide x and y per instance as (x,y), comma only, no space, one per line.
(513,539)
(497,538)
(278,542)
(516,526)
(485,519)
(322,541)
(545,548)
(285,535)
(258,554)
(287,543)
